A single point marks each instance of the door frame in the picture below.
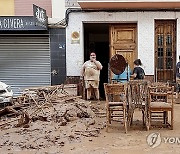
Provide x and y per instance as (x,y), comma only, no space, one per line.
(174,50)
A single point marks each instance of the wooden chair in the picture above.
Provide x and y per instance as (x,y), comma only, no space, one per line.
(160,100)
(116,105)
(137,98)
(161,115)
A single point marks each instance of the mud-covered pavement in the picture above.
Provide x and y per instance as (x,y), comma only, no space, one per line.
(82,131)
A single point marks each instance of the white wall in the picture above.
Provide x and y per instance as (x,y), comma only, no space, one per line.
(145,30)
(58,11)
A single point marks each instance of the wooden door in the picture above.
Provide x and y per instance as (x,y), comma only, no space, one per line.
(123,41)
(165,50)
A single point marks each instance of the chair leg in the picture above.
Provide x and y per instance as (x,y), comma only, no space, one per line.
(110,113)
(165,117)
(172,119)
(148,121)
(143,116)
(131,122)
(128,118)
(125,120)
(147,124)
(107,119)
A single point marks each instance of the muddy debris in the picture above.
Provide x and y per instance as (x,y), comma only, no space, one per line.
(48,116)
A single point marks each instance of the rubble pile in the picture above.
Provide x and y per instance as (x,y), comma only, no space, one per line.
(48,116)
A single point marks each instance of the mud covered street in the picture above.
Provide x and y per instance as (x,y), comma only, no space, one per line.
(76,126)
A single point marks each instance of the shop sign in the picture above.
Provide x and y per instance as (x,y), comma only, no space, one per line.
(19,23)
(40,17)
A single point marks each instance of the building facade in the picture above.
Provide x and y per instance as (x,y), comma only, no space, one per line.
(148,30)
(31,54)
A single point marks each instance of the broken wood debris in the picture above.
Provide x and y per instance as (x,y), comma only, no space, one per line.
(49,103)
(48,111)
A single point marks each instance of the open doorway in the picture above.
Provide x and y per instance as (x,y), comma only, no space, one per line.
(96,37)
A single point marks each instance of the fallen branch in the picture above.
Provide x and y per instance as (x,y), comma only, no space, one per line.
(8,110)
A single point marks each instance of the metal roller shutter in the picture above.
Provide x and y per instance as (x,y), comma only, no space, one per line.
(25,61)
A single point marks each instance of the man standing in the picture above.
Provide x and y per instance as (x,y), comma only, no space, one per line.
(91,72)
(178,78)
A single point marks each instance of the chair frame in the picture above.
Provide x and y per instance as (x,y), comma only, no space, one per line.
(161,94)
(137,99)
(159,115)
(116,101)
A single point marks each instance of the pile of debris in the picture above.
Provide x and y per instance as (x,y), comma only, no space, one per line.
(46,116)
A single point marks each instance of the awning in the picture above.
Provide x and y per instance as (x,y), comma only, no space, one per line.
(129,4)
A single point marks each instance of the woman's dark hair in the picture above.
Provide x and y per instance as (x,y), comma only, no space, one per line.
(137,62)
(92,52)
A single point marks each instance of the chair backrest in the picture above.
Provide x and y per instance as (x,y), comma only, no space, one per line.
(161,93)
(155,84)
(115,92)
(137,93)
